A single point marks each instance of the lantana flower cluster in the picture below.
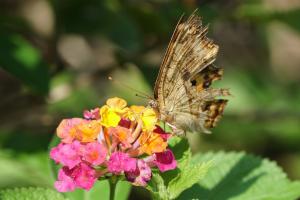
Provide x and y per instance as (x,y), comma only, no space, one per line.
(114,140)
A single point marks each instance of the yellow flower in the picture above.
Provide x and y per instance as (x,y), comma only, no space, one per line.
(88,132)
(109,118)
(147,115)
(135,112)
(117,104)
(113,110)
(149,119)
(152,143)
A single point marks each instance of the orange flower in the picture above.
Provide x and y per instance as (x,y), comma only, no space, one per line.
(151,143)
(67,129)
(89,131)
(122,135)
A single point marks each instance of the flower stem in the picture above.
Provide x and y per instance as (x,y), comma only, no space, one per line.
(112,186)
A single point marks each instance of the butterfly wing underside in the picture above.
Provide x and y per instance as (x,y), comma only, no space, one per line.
(182,91)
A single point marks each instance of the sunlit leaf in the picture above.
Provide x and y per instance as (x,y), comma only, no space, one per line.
(30,193)
(238,176)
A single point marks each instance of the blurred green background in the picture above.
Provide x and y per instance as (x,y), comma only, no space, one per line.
(55,57)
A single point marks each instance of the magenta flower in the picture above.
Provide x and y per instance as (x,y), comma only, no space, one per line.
(114,141)
(125,123)
(165,160)
(121,162)
(92,114)
(67,154)
(163,134)
(64,183)
(84,176)
(81,176)
(141,175)
(94,153)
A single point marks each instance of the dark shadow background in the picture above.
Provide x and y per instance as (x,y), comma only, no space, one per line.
(55,57)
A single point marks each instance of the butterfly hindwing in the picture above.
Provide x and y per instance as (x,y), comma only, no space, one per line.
(214,110)
(206,77)
(182,91)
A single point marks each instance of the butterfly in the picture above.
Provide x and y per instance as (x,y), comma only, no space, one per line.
(182,93)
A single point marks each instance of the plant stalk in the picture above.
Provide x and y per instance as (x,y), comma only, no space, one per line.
(112,187)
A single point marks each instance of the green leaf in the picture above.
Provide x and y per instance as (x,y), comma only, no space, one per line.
(181,149)
(188,177)
(99,191)
(21,59)
(182,152)
(24,170)
(122,190)
(30,193)
(238,176)
(157,187)
(170,184)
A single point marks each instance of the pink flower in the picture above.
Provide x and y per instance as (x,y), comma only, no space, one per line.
(163,134)
(141,175)
(94,153)
(92,114)
(64,183)
(121,162)
(84,176)
(81,176)
(55,153)
(165,160)
(67,154)
(67,129)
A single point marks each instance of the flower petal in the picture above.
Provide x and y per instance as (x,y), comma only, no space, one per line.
(67,154)
(152,143)
(116,102)
(121,162)
(141,175)
(64,183)
(149,119)
(109,118)
(66,129)
(89,131)
(163,134)
(84,176)
(92,114)
(165,161)
(94,153)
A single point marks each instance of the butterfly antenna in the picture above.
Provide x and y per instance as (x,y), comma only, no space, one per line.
(141,96)
(139,93)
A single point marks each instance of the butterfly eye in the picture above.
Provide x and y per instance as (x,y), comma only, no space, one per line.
(152,104)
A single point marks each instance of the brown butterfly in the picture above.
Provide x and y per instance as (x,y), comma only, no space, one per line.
(182,94)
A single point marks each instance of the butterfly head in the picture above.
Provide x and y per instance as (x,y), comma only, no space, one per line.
(153,104)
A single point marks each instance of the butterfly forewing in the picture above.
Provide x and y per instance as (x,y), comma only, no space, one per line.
(182,91)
